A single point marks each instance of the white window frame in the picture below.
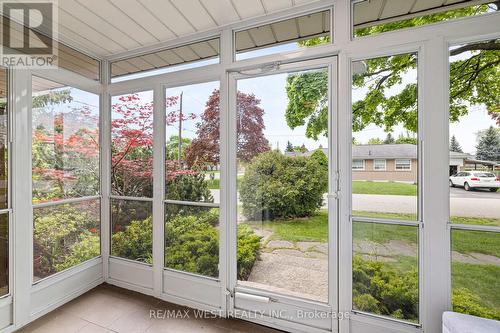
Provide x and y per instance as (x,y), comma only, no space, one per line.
(402,162)
(362,168)
(375,164)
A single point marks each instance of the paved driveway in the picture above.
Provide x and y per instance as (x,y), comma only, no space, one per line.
(459,192)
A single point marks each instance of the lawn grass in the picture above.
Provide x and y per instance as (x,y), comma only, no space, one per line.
(383,188)
(480,280)
(315,228)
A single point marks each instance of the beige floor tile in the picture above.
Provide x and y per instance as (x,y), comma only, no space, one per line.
(108,309)
(59,322)
(135,322)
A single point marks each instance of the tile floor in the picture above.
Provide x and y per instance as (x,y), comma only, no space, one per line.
(107,309)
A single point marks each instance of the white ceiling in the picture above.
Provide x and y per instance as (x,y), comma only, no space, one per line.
(107,27)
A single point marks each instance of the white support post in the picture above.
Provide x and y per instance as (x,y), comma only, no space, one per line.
(433,97)
(226,57)
(20,108)
(158,188)
(342,37)
(105,151)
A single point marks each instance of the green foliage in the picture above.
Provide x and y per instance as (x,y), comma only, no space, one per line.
(172,147)
(455,146)
(188,187)
(375,141)
(61,236)
(307,94)
(474,80)
(389,139)
(54,97)
(247,251)
(406,139)
(88,247)
(192,245)
(135,242)
(379,289)
(464,301)
(488,147)
(277,186)
(320,157)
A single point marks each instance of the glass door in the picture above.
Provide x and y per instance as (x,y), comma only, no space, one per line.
(283,166)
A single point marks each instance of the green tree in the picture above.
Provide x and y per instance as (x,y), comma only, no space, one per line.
(406,139)
(389,139)
(375,141)
(173,147)
(488,147)
(474,79)
(289,146)
(454,145)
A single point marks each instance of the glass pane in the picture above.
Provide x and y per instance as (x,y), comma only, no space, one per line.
(475,270)
(474,162)
(186,56)
(374,17)
(4,153)
(65,141)
(303,31)
(65,235)
(192,239)
(385,270)
(282,170)
(385,138)
(4,254)
(132,230)
(193,148)
(132,144)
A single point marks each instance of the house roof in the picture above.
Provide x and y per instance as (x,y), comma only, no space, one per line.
(386,151)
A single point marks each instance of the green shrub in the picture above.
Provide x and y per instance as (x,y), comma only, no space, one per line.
(320,157)
(277,186)
(135,242)
(186,186)
(192,245)
(379,289)
(464,301)
(248,250)
(189,186)
(88,247)
(58,232)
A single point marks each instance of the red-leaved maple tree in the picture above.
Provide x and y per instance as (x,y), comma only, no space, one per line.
(204,149)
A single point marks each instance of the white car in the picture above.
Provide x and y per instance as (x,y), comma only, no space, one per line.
(470,180)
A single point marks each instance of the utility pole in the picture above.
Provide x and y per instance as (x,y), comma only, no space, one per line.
(180,132)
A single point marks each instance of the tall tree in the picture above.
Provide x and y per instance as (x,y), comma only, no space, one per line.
(204,149)
(474,79)
(289,146)
(488,147)
(389,139)
(454,145)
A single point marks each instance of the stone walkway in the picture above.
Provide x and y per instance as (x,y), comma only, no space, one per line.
(301,268)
